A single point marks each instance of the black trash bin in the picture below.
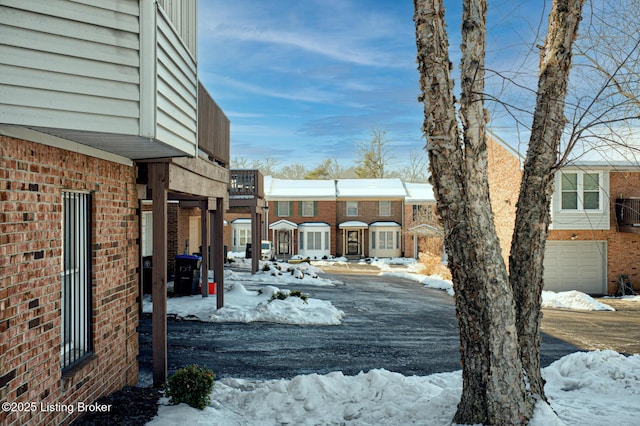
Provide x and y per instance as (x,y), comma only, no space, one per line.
(147,270)
(247,252)
(187,275)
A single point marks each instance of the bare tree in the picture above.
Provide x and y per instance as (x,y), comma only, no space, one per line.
(417,168)
(292,171)
(239,163)
(374,156)
(494,390)
(267,166)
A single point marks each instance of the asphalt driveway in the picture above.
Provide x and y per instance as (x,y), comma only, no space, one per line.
(390,323)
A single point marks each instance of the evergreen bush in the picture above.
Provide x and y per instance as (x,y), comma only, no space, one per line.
(191,385)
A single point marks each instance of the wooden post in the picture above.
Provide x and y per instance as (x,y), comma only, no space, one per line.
(217,240)
(158,178)
(256,243)
(204,274)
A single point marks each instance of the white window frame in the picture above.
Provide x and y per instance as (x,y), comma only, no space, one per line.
(384,208)
(351,208)
(307,209)
(580,191)
(385,240)
(284,209)
(314,240)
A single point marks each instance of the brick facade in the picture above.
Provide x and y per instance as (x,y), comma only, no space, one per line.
(368,212)
(325,212)
(504,176)
(32,179)
(623,249)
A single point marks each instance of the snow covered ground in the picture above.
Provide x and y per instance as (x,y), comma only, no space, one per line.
(585,388)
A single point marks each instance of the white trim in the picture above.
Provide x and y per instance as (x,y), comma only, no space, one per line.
(27,134)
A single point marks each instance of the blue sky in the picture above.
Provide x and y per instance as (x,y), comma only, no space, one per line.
(307,80)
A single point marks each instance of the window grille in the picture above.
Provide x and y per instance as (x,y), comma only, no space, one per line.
(77,340)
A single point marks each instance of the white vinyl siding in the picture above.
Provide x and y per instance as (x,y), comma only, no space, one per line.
(70,64)
(580,200)
(177,102)
(110,75)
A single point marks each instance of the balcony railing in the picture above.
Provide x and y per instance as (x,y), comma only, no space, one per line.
(213,128)
(246,184)
(628,214)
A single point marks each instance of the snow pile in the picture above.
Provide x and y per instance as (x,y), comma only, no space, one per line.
(242,305)
(572,300)
(585,389)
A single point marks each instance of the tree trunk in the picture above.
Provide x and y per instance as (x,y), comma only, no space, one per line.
(532,217)
(493,382)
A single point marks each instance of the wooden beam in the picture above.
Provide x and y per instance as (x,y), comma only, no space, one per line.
(217,240)
(204,276)
(158,178)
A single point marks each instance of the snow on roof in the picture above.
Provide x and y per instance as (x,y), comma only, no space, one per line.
(240,221)
(370,188)
(385,224)
(313,225)
(353,224)
(417,192)
(297,189)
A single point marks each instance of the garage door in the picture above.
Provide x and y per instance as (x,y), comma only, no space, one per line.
(575,265)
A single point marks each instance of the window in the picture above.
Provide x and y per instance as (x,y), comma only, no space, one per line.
(352,208)
(245,236)
(308,208)
(283,209)
(384,208)
(386,240)
(314,240)
(373,239)
(580,191)
(77,342)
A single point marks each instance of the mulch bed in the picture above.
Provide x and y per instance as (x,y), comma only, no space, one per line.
(129,406)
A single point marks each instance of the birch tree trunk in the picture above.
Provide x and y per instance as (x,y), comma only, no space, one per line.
(532,216)
(493,381)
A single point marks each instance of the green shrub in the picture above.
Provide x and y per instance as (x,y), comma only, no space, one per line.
(282,295)
(191,385)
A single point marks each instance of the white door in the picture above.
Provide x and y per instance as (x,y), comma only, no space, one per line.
(576,265)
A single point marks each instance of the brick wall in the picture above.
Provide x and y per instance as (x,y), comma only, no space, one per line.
(504,185)
(368,212)
(32,178)
(623,249)
(325,212)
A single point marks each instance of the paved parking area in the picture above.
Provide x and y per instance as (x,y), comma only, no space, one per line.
(590,330)
(390,323)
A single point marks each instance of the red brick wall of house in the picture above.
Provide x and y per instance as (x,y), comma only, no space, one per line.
(368,212)
(430,218)
(504,177)
(326,212)
(32,178)
(623,249)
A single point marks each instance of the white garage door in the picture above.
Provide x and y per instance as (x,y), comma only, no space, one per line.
(575,265)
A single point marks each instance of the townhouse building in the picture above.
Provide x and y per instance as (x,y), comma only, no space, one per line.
(102,117)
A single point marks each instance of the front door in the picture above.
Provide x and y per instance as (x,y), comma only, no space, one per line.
(353,242)
(283,242)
